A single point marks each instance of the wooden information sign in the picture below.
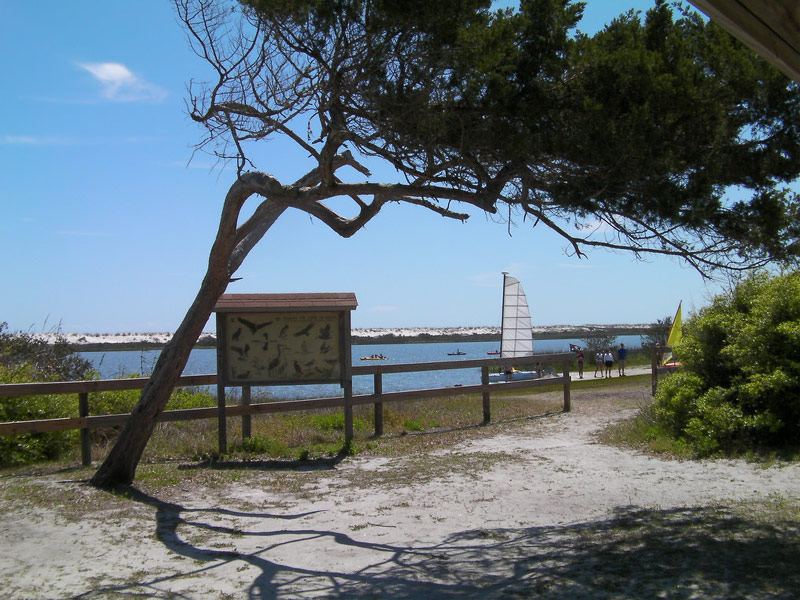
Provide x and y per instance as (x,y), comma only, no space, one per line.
(283,339)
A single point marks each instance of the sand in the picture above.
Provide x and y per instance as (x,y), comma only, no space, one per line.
(538,510)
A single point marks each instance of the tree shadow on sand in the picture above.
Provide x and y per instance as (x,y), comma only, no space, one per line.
(680,553)
(317,464)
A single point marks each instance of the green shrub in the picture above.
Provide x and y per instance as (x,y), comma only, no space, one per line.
(33,447)
(412,425)
(335,422)
(740,387)
(267,446)
(122,401)
(25,359)
(676,402)
(113,402)
(183,398)
(42,361)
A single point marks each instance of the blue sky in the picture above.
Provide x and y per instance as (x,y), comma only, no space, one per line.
(106,224)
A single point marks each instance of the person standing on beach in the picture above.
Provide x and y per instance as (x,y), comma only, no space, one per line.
(579,356)
(608,358)
(598,363)
(622,354)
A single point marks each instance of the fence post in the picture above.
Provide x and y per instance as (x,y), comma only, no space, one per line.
(487,408)
(222,431)
(86,440)
(654,372)
(377,388)
(348,413)
(246,418)
(567,381)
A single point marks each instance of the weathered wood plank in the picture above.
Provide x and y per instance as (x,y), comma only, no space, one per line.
(10,390)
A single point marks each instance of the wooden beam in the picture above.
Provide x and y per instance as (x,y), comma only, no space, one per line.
(11,390)
(770,27)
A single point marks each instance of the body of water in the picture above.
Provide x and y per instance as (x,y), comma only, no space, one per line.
(114,364)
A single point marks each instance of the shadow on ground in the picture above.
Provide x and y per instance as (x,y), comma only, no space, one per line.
(678,554)
(317,464)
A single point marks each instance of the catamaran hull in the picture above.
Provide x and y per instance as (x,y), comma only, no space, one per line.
(515,376)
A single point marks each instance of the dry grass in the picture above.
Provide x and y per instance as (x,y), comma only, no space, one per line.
(310,435)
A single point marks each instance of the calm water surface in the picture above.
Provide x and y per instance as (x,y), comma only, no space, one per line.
(203,361)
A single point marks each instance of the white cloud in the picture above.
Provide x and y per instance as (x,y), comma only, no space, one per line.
(35,140)
(56,140)
(121,85)
(77,233)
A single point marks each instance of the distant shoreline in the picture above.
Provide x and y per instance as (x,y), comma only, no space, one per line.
(579,332)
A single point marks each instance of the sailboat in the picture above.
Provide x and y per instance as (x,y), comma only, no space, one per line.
(516,338)
(675,334)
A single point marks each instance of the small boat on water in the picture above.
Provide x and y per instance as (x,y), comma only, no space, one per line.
(456,353)
(494,353)
(375,357)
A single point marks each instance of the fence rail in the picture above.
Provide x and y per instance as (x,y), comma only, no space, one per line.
(86,422)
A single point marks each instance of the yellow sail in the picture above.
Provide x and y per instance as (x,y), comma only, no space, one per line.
(676,330)
(675,334)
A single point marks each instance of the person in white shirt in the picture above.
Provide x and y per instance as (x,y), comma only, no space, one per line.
(608,358)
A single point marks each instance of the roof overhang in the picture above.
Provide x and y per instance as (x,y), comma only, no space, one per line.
(770,27)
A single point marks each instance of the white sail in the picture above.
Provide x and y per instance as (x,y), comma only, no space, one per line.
(516,337)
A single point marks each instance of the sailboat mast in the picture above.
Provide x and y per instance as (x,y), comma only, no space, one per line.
(503,312)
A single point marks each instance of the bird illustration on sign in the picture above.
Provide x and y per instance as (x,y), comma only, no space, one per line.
(283,347)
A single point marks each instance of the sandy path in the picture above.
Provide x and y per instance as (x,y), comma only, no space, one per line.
(540,510)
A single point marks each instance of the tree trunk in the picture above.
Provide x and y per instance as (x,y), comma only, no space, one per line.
(119,467)
(231,246)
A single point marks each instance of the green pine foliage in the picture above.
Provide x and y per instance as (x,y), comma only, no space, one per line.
(739,389)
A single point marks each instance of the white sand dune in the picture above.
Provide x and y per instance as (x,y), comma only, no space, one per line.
(79,339)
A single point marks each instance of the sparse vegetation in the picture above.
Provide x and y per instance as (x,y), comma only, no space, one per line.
(657,334)
(596,343)
(24,355)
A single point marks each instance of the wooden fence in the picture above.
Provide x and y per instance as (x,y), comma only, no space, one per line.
(86,422)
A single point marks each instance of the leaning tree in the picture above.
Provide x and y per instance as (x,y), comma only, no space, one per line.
(627,140)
